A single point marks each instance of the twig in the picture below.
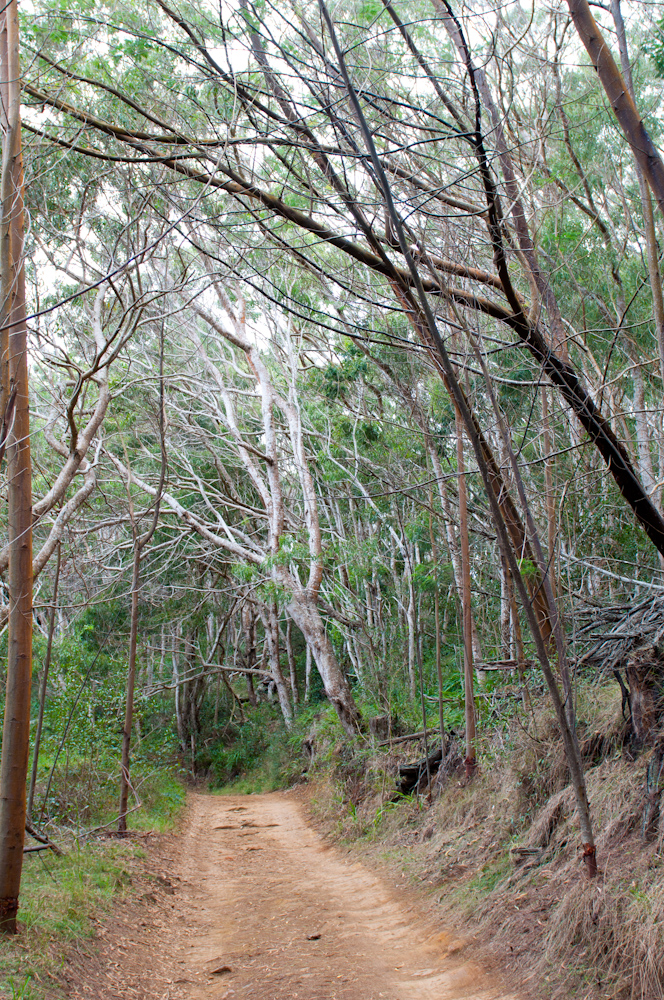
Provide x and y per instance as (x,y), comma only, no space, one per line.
(43,839)
(407,739)
(104,826)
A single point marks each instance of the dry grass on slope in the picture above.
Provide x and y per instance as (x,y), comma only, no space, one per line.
(503,856)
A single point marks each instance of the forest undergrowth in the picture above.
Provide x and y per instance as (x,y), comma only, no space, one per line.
(499,855)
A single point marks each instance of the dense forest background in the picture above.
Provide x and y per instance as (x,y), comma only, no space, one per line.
(346,352)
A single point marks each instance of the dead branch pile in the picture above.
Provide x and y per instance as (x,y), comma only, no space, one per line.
(616,631)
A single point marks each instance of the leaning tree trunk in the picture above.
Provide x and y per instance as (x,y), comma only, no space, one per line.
(13,345)
(44,683)
(306,616)
(468,680)
(621,100)
(422,310)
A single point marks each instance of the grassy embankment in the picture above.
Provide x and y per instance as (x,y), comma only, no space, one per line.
(76,803)
(62,898)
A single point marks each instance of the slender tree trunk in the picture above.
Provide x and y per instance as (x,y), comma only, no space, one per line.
(550,493)
(410,622)
(439,670)
(162,654)
(642,430)
(307,674)
(249,625)
(652,249)
(179,722)
(505,631)
(468,685)
(620,98)
(191,694)
(355,658)
(370,608)
(217,692)
(370,671)
(291,663)
(129,702)
(149,669)
(371,656)
(251,691)
(44,683)
(436,615)
(14,362)
(140,542)
(517,643)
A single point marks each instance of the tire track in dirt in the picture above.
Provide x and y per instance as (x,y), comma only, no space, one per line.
(267,910)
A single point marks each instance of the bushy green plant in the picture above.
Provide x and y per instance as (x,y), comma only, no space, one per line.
(260,754)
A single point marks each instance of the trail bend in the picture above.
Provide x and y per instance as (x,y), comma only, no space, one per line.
(265,908)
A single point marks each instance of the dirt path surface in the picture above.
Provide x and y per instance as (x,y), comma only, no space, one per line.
(257,905)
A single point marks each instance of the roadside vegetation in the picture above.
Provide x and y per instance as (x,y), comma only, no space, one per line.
(66,895)
(67,891)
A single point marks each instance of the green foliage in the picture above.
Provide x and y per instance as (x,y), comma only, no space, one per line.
(81,737)
(333,379)
(528,569)
(654,47)
(246,746)
(429,578)
(260,754)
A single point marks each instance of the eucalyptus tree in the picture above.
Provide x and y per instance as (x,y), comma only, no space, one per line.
(282,538)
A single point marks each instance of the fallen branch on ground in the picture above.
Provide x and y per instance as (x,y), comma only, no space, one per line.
(43,840)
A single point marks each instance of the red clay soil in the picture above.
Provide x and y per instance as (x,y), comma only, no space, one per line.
(250,902)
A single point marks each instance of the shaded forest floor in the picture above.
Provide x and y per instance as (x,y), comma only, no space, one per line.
(250,901)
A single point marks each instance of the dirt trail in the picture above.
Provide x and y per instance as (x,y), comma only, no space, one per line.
(259,906)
